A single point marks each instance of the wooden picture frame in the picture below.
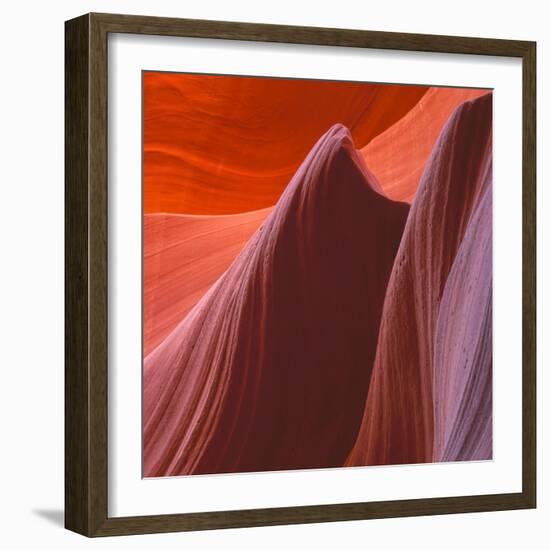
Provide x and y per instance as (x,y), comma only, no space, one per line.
(86,426)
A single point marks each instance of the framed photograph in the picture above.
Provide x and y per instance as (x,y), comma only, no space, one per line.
(300,275)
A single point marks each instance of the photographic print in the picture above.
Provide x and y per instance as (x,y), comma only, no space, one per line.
(317,274)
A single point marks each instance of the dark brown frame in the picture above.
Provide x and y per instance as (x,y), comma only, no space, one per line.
(86,274)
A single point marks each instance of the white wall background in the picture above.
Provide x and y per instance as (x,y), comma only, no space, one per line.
(31,270)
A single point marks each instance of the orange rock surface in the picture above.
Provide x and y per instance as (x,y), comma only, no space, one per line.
(221,144)
(398,156)
(183,256)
